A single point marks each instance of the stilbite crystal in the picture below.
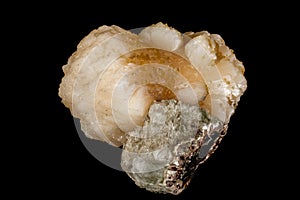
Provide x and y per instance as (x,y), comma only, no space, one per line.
(165,96)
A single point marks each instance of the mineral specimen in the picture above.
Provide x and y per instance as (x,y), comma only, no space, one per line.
(166,98)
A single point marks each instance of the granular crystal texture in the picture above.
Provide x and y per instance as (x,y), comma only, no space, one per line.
(163,155)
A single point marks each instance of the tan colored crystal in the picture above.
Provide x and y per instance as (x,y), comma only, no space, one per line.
(196,67)
(115,76)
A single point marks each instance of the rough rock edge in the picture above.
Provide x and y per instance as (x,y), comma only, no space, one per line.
(175,176)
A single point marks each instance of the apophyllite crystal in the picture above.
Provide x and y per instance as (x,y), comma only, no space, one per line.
(165,97)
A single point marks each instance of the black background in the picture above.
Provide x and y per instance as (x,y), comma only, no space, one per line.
(248,162)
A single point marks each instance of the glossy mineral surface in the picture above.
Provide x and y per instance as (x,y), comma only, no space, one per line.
(165,97)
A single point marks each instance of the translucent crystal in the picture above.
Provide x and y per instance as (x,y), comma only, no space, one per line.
(162,156)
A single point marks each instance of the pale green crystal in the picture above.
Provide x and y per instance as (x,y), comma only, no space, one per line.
(163,155)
